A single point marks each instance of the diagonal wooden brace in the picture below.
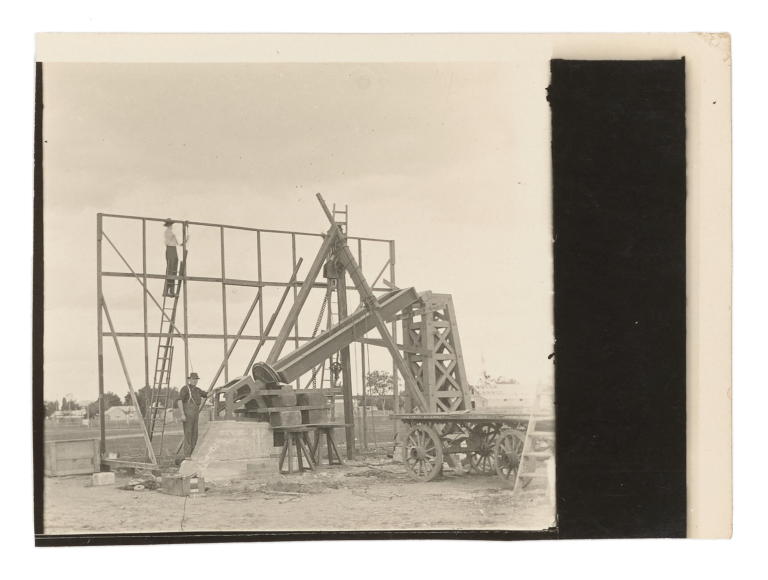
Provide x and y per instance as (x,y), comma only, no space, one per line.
(344,255)
(301,298)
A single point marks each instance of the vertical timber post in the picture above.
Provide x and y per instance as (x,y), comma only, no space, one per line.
(395,382)
(224,305)
(258,277)
(144,299)
(185,233)
(364,398)
(346,370)
(100,339)
(295,293)
(363,390)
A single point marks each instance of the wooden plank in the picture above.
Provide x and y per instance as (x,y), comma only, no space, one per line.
(129,464)
(292,408)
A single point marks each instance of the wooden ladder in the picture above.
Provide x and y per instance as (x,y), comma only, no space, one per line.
(531,459)
(341,222)
(158,401)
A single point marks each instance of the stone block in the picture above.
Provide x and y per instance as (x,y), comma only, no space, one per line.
(103,478)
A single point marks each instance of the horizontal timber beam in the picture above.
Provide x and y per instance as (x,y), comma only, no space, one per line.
(231,227)
(230,281)
(198,335)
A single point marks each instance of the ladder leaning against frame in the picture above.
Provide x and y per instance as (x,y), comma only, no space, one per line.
(160,393)
(537,457)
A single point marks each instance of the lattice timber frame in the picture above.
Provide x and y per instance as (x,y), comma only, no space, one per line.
(433,353)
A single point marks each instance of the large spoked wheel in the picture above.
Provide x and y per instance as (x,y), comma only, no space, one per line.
(481,448)
(508,452)
(423,453)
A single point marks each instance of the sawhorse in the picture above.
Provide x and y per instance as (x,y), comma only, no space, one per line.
(295,437)
(320,429)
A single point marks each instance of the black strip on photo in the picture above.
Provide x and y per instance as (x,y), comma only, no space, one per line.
(618,158)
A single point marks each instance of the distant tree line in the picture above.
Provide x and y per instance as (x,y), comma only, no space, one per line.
(112,400)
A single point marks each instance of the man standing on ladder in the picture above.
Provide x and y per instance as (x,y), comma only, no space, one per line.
(189,403)
(171,258)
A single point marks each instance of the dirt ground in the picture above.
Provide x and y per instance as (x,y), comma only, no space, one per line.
(370,493)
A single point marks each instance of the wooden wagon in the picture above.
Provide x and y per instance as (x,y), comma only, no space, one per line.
(512,446)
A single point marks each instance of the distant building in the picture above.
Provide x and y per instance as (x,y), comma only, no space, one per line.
(505,394)
(74,417)
(121,414)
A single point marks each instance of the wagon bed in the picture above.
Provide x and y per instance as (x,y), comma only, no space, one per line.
(508,444)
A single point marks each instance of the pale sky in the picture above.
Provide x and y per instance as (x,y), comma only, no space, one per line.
(449,160)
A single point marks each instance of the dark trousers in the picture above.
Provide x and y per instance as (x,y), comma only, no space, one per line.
(172,269)
(190,433)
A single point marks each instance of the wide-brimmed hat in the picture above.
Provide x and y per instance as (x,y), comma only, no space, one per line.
(194,375)
(168,222)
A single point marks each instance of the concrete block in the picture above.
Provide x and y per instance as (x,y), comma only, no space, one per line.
(285,418)
(311,399)
(227,447)
(103,478)
(315,416)
(282,400)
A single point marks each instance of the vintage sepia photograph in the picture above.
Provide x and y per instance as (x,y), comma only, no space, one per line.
(381,286)
(298,297)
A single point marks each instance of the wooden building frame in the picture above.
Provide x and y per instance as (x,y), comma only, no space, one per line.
(142,276)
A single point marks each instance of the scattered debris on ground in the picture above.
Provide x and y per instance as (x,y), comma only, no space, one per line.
(371,493)
(145,481)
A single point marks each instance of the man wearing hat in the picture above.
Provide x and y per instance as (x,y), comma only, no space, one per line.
(171,258)
(189,402)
